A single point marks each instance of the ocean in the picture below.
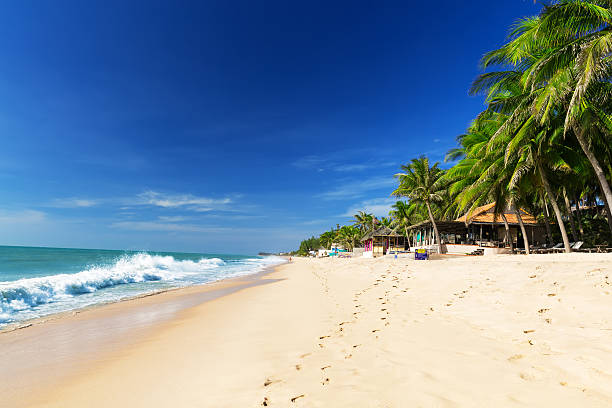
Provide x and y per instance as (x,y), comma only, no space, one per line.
(36,282)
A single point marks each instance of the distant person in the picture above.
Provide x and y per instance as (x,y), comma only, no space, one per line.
(289,259)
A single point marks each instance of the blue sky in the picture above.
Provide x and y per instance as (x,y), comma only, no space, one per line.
(225,126)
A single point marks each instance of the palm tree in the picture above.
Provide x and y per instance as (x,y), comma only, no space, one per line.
(349,236)
(328,238)
(561,59)
(364,221)
(423,184)
(403,215)
(387,221)
(481,177)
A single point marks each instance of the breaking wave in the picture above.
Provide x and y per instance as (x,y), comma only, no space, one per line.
(27,293)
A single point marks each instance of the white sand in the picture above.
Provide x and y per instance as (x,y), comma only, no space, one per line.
(468,332)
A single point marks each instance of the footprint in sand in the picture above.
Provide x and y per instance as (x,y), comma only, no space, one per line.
(325,382)
(269,382)
(298,367)
(325,368)
(296,398)
(265,402)
(515,357)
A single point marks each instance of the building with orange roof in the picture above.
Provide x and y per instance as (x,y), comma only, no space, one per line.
(481,230)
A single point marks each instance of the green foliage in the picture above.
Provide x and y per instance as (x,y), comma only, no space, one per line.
(544,141)
(310,244)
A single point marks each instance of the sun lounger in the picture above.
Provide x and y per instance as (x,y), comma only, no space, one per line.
(577,245)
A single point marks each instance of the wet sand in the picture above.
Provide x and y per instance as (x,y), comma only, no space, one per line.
(465,332)
(41,353)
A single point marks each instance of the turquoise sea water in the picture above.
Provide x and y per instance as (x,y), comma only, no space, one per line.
(39,281)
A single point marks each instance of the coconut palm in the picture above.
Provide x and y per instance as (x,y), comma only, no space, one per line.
(403,215)
(387,222)
(349,236)
(561,59)
(423,184)
(327,239)
(364,221)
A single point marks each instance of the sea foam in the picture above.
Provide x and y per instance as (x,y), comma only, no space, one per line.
(27,293)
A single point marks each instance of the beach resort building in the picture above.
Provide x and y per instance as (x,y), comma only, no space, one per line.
(381,241)
(481,231)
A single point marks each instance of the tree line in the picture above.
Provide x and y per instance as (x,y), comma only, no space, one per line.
(543,143)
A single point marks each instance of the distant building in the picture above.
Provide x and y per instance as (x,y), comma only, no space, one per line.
(382,240)
(481,230)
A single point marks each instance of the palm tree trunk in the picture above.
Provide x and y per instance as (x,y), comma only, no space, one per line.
(523,230)
(601,176)
(547,221)
(508,235)
(607,210)
(556,209)
(579,218)
(568,208)
(435,227)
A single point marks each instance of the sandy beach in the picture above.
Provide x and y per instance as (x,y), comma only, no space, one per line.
(461,332)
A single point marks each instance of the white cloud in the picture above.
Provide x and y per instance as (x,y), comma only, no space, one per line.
(356,167)
(164,226)
(187,201)
(177,218)
(338,162)
(309,162)
(380,207)
(352,167)
(358,188)
(21,217)
(73,202)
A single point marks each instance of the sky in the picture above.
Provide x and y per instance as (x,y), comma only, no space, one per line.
(225,126)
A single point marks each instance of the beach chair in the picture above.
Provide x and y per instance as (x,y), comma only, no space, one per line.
(577,245)
(557,248)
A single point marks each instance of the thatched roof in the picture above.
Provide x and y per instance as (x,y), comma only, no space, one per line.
(485,214)
(381,231)
(481,215)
